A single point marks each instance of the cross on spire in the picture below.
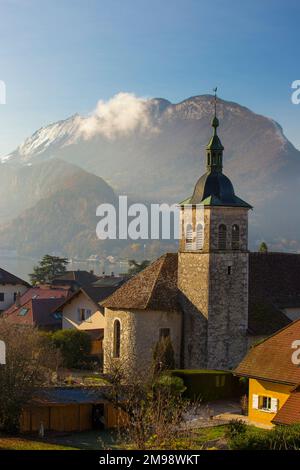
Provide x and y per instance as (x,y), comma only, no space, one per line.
(215,92)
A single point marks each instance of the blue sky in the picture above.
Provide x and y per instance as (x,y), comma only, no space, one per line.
(58,57)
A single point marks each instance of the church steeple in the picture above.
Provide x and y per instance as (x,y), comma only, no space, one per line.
(214,148)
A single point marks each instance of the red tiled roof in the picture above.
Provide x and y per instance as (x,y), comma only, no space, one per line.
(289,413)
(272,358)
(40,313)
(41,292)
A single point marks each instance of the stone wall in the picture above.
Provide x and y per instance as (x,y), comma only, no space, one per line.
(139,333)
(228,310)
(213,287)
(193,285)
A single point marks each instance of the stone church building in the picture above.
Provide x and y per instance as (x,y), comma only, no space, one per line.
(213,297)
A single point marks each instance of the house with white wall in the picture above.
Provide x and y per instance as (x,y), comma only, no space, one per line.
(83,311)
(10,287)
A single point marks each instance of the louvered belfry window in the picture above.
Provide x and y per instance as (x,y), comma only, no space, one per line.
(199,237)
(189,237)
(222,235)
(235,237)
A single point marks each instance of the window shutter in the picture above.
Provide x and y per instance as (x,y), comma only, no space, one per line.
(78,314)
(255,402)
(274,405)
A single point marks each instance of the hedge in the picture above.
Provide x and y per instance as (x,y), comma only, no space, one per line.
(206,385)
(279,438)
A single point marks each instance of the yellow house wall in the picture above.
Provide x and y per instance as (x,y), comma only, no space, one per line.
(269,389)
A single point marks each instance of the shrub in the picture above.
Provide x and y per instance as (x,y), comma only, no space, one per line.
(74,345)
(235,428)
(279,438)
(174,385)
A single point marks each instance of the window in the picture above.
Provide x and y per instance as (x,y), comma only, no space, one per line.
(1,296)
(117,338)
(265,403)
(164,333)
(57,315)
(23,312)
(235,237)
(84,314)
(199,237)
(189,237)
(222,237)
(229,270)
(15,296)
(220,380)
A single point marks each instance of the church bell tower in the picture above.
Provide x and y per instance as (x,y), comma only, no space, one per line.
(213,267)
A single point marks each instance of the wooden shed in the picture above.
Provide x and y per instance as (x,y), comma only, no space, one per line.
(69,409)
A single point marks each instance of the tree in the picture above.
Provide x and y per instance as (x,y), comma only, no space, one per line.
(75,346)
(151,409)
(48,268)
(263,248)
(163,355)
(30,362)
(135,267)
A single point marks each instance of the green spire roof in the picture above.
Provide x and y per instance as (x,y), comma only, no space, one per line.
(214,188)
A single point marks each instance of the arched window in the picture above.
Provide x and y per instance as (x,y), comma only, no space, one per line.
(235,237)
(117,338)
(199,237)
(189,237)
(222,237)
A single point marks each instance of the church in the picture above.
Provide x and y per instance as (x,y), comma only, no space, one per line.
(213,298)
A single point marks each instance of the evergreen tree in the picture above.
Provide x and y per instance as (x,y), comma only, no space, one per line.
(163,355)
(263,247)
(48,268)
(135,267)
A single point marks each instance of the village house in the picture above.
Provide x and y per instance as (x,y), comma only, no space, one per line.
(38,307)
(10,287)
(213,298)
(75,279)
(82,310)
(272,367)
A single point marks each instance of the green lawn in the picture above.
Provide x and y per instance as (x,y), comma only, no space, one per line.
(18,443)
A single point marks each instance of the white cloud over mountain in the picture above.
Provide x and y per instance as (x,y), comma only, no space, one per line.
(120,115)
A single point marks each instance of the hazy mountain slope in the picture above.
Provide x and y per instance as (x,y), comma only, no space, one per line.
(22,187)
(64,222)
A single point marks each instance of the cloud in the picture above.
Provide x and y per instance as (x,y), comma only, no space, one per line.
(119,116)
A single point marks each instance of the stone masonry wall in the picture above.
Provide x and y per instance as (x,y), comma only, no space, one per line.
(193,285)
(228,310)
(139,334)
(213,287)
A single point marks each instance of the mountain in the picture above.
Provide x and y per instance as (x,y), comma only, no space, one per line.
(62,220)
(154,150)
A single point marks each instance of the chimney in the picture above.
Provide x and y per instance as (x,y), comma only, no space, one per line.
(18,299)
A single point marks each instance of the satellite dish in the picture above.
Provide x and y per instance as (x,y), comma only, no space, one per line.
(2,353)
